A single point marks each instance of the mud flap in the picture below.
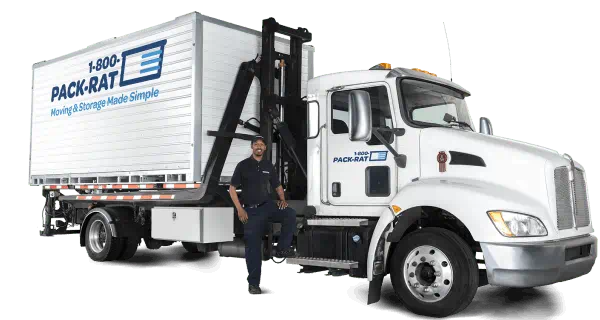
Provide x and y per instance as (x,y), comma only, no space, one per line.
(375,289)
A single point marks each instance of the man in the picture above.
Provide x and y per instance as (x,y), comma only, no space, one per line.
(257,178)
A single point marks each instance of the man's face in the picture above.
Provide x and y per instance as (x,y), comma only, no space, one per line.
(258,148)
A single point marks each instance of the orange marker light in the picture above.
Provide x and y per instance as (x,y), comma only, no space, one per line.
(386,65)
(396,209)
(427,72)
(496,217)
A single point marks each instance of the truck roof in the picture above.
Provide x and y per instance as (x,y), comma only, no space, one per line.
(365,76)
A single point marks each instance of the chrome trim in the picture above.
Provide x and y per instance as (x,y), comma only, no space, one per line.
(485,126)
(572,184)
(96,238)
(438,284)
(359,116)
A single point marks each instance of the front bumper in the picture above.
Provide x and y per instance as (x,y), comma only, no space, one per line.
(539,263)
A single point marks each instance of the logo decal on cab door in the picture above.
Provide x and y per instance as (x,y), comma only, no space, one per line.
(363,156)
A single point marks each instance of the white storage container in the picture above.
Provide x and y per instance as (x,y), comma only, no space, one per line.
(137,108)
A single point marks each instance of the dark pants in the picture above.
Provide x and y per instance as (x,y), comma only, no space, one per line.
(255,229)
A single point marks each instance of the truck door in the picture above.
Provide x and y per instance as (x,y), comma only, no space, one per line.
(358,172)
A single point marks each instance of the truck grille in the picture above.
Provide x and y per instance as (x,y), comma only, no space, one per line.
(564,207)
(582,214)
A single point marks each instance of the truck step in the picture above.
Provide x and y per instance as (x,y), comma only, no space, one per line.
(338,222)
(323,262)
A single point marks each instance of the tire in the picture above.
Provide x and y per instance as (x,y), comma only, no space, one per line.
(190,247)
(458,270)
(99,243)
(129,248)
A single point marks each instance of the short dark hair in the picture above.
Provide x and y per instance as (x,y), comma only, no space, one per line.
(256,138)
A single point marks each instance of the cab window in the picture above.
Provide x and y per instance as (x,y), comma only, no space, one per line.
(380,111)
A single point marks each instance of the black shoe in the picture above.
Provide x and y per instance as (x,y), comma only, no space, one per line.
(287,253)
(254,289)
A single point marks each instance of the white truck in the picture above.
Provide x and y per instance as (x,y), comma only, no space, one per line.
(136,138)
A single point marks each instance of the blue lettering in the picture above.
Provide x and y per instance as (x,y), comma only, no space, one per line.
(93,84)
(103,83)
(70,93)
(54,94)
(80,90)
(63,92)
(112,76)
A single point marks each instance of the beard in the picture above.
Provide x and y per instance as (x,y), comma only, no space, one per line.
(258,152)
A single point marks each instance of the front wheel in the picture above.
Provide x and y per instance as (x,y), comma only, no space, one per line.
(434,272)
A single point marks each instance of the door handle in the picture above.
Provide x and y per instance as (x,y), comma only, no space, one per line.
(336,189)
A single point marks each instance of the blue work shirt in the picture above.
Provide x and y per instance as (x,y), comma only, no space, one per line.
(257,180)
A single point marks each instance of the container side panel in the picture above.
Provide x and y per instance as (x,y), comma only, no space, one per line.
(119,109)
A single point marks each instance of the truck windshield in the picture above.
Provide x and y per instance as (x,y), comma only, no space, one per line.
(426,104)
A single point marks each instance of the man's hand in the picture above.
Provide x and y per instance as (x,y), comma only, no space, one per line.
(243,215)
(282,204)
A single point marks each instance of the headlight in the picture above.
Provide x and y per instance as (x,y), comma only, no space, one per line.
(511,224)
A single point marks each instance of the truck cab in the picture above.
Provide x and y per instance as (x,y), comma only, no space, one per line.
(399,145)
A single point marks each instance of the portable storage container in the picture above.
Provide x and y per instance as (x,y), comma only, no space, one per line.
(137,108)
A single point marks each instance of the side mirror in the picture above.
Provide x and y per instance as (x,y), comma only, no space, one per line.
(449,118)
(485,126)
(360,115)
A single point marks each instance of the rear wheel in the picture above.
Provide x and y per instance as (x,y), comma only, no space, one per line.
(99,242)
(190,247)
(129,248)
(434,272)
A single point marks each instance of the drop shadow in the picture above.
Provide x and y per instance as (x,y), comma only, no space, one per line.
(167,259)
(176,259)
(548,302)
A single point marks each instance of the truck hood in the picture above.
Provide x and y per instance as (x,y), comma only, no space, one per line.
(518,166)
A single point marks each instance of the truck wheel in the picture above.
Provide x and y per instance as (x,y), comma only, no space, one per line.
(434,272)
(190,247)
(99,243)
(129,248)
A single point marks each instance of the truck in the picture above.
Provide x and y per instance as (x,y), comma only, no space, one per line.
(135,139)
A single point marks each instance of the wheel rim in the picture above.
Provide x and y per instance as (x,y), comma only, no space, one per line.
(428,273)
(97,236)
